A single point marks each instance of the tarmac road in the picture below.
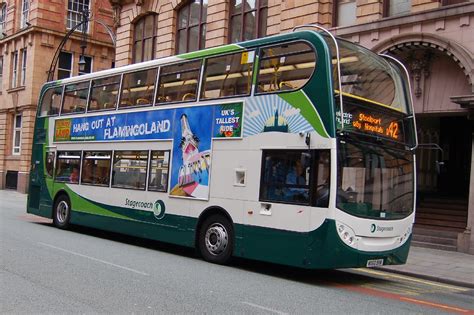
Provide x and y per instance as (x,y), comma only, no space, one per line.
(47,270)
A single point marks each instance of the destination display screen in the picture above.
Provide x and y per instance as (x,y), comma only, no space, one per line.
(373,122)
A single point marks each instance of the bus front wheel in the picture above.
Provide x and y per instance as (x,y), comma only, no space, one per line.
(62,212)
(216,239)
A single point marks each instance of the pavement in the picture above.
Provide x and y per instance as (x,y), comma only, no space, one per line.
(437,265)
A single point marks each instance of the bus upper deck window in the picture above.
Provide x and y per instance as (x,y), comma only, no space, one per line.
(104,93)
(51,101)
(228,75)
(138,88)
(179,82)
(285,67)
(75,98)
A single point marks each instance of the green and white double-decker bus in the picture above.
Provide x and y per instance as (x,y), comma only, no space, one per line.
(295,149)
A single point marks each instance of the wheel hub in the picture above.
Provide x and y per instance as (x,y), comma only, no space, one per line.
(216,239)
(62,212)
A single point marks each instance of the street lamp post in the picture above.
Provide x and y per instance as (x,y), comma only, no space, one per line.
(82,60)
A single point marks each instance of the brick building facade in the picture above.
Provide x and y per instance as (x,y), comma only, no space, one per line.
(30,34)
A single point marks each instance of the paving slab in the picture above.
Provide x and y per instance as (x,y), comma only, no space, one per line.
(438,265)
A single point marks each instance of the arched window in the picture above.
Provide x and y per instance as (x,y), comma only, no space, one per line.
(191,26)
(248,19)
(144,38)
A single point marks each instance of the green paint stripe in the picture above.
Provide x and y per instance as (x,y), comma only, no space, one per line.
(82,204)
(299,100)
(210,51)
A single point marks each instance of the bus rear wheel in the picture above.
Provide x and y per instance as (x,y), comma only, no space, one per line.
(62,212)
(216,239)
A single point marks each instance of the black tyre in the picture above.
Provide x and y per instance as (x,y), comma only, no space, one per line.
(62,212)
(216,239)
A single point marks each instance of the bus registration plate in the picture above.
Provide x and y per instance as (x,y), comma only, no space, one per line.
(374,262)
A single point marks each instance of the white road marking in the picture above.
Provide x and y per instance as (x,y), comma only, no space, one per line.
(265,308)
(92,258)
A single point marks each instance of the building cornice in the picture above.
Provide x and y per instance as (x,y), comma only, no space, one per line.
(37,29)
(412,18)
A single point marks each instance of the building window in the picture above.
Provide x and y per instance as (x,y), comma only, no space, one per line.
(248,20)
(344,13)
(396,7)
(87,66)
(64,65)
(25,12)
(144,38)
(3,18)
(191,28)
(74,14)
(17,135)
(23,67)
(14,81)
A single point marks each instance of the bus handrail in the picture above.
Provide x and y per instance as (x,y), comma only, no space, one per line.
(338,63)
(411,96)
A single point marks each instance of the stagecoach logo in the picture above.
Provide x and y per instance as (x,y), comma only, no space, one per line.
(159,209)
(379,228)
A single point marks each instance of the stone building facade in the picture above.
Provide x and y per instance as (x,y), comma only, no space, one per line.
(30,34)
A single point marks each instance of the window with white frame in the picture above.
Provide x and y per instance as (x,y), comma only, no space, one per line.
(64,65)
(25,12)
(87,66)
(3,18)
(17,135)
(14,80)
(75,8)
(23,67)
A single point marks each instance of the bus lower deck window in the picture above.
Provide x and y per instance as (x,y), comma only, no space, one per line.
(96,168)
(67,167)
(129,170)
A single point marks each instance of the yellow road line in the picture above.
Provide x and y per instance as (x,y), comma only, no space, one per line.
(392,289)
(408,278)
(447,307)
